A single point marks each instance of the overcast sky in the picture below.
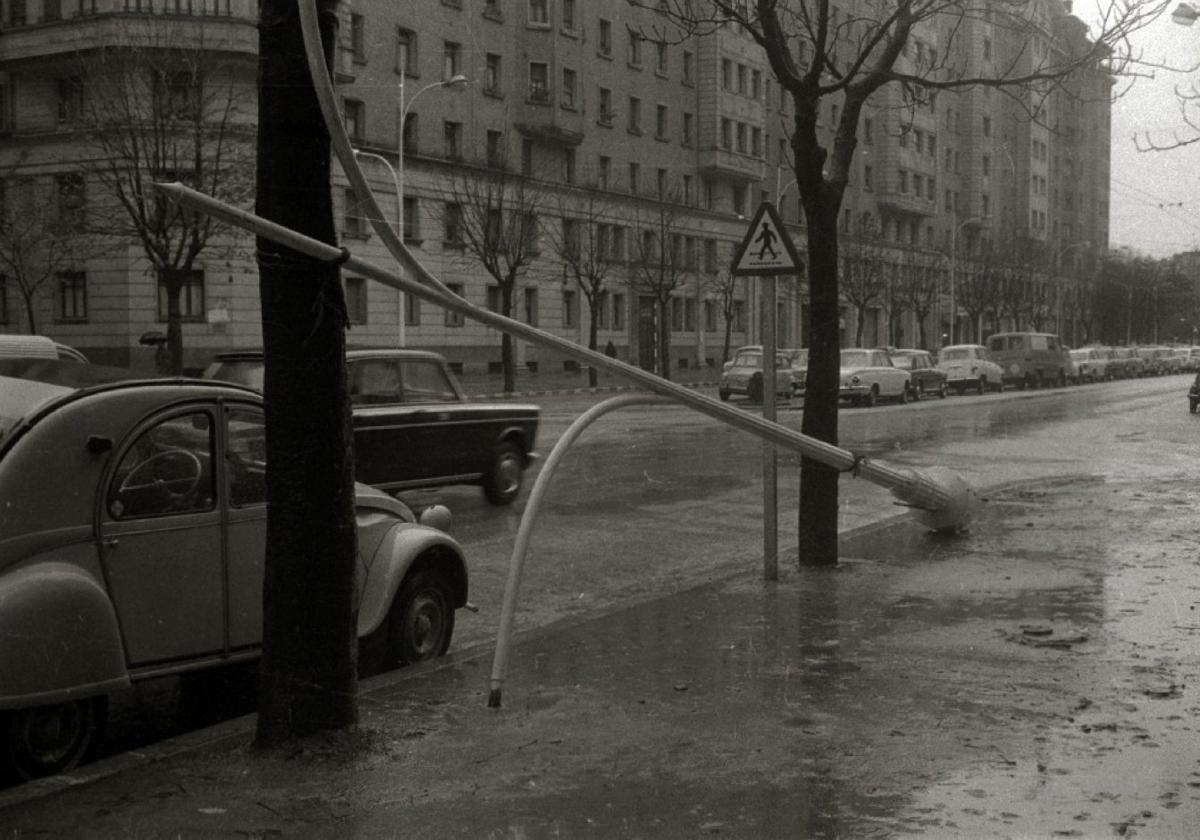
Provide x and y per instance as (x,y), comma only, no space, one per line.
(1156,194)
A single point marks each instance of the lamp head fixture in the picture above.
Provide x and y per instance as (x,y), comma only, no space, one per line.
(1185,14)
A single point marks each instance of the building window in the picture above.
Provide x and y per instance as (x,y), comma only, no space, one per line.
(353,223)
(495,148)
(531,305)
(660,122)
(493,300)
(660,48)
(412,310)
(635,175)
(727,75)
(661,183)
(635,115)
(903,181)
(689,128)
(739,199)
(453,135)
(605,47)
(987,126)
(452,225)
(16,12)
(635,48)
(539,82)
(70,99)
(538,12)
(358,38)
(742,86)
(710,255)
(739,316)
(756,146)
(741,138)
(355,290)
(568,88)
(985,206)
(526,156)
(867,178)
(605,171)
(354,116)
(568,14)
(756,84)
(191,296)
(987,165)
(412,226)
(689,67)
(454,319)
(72,297)
(726,133)
(406,52)
(72,197)
(569,165)
(491,75)
(618,312)
(602,305)
(570,309)
(710,316)
(676,315)
(605,117)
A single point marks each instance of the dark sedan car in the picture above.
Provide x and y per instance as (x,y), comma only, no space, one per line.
(926,378)
(414,428)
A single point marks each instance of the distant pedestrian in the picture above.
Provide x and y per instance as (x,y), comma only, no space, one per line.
(610,350)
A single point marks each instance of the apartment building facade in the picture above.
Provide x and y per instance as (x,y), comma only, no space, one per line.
(585,98)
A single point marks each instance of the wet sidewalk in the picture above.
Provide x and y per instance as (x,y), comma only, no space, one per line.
(1034,678)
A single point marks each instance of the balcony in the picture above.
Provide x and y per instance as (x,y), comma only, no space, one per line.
(71,36)
(722,163)
(540,117)
(908,203)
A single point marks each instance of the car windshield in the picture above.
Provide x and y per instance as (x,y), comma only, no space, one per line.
(856,358)
(744,359)
(799,358)
(902,360)
(960,354)
(248,372)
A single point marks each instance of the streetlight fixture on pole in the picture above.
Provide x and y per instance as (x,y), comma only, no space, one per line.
(954,269)
(1185,14)
(1058,286)
(455,81)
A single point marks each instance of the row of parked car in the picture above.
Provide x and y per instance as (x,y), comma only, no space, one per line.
(1014,359)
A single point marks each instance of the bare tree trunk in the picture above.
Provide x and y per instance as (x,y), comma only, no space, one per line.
(172,279)
(664,340)
(817,527)
(307,675)
(508,365)
(593,344)
(30,315)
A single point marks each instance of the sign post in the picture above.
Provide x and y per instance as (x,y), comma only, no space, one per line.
(766,252)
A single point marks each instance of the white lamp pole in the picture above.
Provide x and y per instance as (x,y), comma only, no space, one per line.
(954,271)
(1058,286)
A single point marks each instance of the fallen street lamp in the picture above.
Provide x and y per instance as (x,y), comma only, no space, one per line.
(1185,14)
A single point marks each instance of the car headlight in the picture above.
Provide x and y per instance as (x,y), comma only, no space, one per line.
(854,380)
(974,370)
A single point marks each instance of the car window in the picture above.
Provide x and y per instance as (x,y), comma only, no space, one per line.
(1038,342)
(748,360)
(880,359)
(425,381)
(855,358)
(248,372)
(375,381)
(956,354)
(167,470)
(904,361)
(246,457)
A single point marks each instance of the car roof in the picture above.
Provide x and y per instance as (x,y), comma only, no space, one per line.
(908,351)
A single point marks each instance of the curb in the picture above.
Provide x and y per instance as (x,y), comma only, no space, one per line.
(599,389)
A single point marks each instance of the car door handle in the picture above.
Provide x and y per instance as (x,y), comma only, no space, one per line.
(111,542)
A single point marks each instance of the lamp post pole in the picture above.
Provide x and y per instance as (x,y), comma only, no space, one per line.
(954,271)
(1058,285)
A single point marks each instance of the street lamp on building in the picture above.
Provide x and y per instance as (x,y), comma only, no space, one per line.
(1058,286)
(954,269)
(455,81)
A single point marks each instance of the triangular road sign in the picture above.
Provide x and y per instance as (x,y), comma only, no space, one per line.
(767,248)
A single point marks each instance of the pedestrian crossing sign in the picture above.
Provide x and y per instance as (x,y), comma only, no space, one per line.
(766,248)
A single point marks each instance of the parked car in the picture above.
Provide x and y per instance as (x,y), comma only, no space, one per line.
(1090,364)
(925,376)
(1154,359)
(744,376)
(798,360)
(1179,359)
(868,376)
(414,428)
(1030,359)
(132,541)
(1193,360)
(969,367)
(1194,394)
(1128,363)
(15,346)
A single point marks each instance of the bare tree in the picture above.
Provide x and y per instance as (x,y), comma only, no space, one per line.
(43,232)
(724,285)
(583,238)
(917,282)
(491,214)
(657,264)
(164,105)
(864,278)
(979,292)
(819,56)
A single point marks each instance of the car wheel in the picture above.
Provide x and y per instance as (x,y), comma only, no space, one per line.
(724,395)
(869,400)
(755,389)
(1062,379)
(46,740)
(502,482)
(1192,407)
(982,387)
(918,392)
(904,395)
(942,391)
(421,620)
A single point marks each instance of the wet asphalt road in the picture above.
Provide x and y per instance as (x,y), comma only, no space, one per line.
(680,464)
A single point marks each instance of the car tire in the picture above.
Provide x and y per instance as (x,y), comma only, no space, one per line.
(1192,407)
(942,391)
(724,395)
(918,392)
(904,395)
(869,398)
(46,740)
(755,389)
(420,622)
(982,387)
(1062,379)
(502,482)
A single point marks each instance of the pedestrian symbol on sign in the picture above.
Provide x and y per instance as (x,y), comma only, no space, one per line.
(766,247)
